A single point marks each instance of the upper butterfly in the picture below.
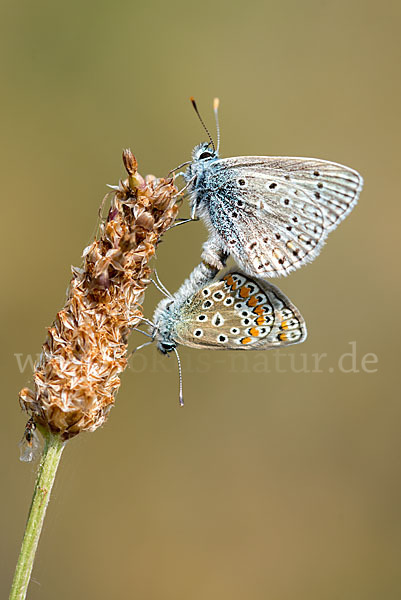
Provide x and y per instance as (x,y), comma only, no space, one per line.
(272,214)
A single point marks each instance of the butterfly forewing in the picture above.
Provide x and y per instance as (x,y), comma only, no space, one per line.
(274,213)
(238,313)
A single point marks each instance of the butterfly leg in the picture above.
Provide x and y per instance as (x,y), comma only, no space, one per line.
(182,222)
(213,254)
(193,212)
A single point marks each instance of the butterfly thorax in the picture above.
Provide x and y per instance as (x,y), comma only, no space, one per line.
(172,311)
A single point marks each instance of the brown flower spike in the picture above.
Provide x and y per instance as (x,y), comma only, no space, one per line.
(77,375)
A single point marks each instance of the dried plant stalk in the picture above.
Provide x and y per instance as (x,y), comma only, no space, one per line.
(77,375)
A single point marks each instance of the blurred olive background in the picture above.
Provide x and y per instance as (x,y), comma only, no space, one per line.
(270,483)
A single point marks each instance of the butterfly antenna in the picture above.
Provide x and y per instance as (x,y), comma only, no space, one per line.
(180,397)
(216,103)
(203,123)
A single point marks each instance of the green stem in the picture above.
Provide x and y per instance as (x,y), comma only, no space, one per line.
(41,495)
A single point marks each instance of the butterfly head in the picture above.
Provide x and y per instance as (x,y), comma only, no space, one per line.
(204,152)
(165,347)
(203,156)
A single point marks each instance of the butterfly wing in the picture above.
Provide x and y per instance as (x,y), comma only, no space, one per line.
(236,312)
(273,214)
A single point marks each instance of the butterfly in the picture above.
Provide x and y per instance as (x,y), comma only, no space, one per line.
(229,312)
(272,214)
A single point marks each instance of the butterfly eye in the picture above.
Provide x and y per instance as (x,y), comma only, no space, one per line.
(205,155)
(166,347)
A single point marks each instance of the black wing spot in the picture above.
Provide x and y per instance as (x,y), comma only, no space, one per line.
(272,186)
(316,173)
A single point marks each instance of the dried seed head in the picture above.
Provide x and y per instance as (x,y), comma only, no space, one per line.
(77,375)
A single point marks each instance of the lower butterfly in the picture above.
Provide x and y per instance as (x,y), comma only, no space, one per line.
(230,311)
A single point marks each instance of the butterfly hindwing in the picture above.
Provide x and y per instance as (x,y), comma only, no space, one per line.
(238,313)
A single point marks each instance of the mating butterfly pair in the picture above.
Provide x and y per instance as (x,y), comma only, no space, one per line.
(273,215)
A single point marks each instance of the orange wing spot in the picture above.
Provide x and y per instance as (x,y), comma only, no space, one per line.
(284,325)
(254,332)
(230,281)
(258,310)
(283,337)
(252,301)
(260,320)
(244,292)
(246,340)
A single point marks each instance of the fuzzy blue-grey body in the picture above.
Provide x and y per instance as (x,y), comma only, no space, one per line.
(168,312)
(272,214)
